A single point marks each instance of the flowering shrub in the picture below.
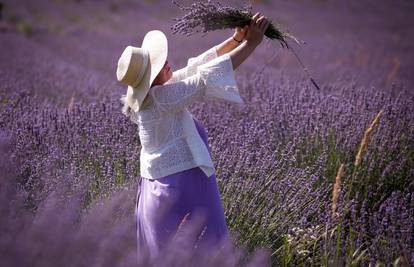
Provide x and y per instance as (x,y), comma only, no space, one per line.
(61,232)
(275,173)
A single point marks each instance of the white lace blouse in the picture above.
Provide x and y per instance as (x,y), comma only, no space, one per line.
(169,138)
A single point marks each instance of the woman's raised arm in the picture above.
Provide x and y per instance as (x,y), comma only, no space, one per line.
(254,37)
(232,42)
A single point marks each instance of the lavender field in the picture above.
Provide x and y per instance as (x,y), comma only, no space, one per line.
(307,177)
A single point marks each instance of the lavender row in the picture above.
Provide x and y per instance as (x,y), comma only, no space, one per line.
(276,161)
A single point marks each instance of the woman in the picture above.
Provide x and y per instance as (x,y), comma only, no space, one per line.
(177,175)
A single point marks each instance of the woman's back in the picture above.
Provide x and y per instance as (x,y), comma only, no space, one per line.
(169,138)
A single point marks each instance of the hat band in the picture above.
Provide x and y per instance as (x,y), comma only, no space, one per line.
(142,70)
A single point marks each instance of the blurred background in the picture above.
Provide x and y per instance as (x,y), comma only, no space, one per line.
(59,46)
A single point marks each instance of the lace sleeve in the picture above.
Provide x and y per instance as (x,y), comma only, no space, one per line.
(205,57)
(175,96)
(218,77)
(192,65)
(213,80)
(178,75)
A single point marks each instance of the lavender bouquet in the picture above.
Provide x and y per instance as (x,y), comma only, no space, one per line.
(210,16)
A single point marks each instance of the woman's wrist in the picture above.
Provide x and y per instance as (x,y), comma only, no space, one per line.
(239,54)
(237,39)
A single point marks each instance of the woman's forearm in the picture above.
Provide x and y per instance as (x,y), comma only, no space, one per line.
(243,51)
(227,46)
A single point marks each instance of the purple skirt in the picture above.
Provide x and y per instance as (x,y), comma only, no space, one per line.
(161,205)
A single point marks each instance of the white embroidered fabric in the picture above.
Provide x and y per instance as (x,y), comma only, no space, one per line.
(170,141)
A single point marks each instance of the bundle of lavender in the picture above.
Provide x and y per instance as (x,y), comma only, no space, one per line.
(210,16)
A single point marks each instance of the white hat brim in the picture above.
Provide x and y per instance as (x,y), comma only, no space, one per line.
(155,42)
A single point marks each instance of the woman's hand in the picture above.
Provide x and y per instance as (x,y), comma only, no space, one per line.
(256,29)
(240,33)
(254,37)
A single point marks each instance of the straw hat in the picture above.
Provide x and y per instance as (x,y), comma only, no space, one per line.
(139,66)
